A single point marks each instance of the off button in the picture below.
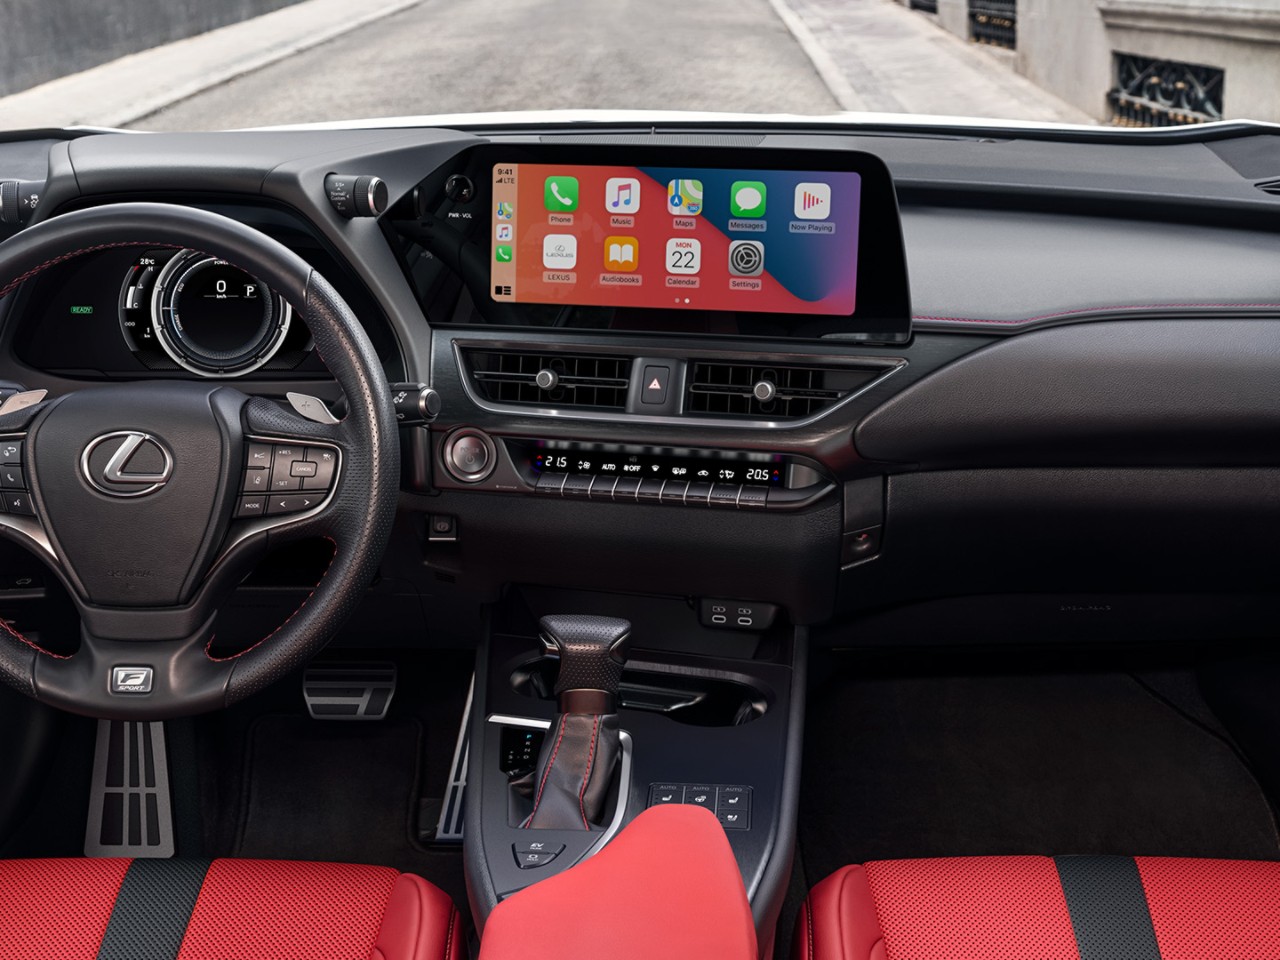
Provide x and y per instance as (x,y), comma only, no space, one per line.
(469,456)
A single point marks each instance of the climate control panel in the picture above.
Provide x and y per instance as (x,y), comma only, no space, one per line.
(618,473)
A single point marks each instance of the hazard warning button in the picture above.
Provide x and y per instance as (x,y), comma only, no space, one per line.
(653,387)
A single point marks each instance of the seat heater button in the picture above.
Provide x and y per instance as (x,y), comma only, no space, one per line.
(292,502)
(251,507)
(11,478)
(734,800)
(697,795)
(664,793)
(325,460)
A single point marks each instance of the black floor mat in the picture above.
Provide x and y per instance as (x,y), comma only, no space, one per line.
(1062,764)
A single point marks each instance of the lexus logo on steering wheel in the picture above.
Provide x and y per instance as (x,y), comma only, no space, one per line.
(127,463)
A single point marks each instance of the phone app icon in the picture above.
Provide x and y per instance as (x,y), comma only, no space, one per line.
(684,255)
(506,210)
(747,198)
(502,253)
(622,195)
(813,201)
(621,254)
(503,233)
(746,258)
(684,198)
(559,251)
(560,194)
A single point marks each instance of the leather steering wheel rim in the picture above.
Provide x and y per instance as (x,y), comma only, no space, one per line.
(357,516)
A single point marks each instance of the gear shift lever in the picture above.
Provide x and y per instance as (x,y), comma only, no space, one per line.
(576,765)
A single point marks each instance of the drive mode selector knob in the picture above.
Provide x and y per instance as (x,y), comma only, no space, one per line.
(469,456)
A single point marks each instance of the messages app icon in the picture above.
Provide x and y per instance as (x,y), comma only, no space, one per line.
(747,198)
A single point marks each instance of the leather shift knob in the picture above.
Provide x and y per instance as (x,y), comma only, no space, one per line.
(592,652)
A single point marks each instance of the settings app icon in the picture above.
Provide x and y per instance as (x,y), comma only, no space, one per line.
(746,258)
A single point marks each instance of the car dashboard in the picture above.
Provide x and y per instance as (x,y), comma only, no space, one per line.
(1073,391)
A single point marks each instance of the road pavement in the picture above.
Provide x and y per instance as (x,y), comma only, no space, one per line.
(461,56)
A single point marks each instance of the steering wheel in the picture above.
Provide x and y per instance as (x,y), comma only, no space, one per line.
(135,490)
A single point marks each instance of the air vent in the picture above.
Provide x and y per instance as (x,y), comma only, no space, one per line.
(551,379)
(767,390)
(1270,186)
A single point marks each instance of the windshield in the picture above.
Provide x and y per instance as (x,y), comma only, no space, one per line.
(228,64)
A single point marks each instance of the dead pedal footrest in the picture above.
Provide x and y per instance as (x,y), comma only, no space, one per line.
(130,809)
(349,691)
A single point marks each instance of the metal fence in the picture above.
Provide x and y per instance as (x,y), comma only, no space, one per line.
(1147,92)
(994,22)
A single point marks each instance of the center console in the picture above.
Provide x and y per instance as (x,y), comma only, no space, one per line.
(705,717)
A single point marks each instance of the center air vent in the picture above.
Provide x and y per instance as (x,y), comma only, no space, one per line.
(551,379)
(769,390)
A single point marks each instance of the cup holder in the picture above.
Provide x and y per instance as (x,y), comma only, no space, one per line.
(698,698)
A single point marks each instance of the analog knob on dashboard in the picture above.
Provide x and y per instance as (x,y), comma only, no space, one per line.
(469,456)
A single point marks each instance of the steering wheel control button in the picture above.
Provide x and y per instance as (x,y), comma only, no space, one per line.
(11,451)
(251,507)
(11,478)
(325,460)
(469,456)
(303,469)
(259,456)
(131,681)
(126,463)
(292,502)
(19,504)
(257,481)
(536,853)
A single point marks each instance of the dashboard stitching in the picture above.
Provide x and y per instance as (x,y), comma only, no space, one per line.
(1090,310)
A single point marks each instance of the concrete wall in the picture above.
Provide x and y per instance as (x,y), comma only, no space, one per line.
(44,39)
(1063,47)
(1066,46)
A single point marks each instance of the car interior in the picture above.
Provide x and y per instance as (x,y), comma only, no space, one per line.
(817,539)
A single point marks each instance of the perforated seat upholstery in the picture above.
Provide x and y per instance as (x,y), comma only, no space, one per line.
(1044,908)
(119,909)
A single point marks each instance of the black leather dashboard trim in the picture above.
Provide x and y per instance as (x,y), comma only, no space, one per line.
(1188,392)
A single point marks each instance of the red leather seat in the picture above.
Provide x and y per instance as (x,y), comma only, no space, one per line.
(117,909)
(1043,908)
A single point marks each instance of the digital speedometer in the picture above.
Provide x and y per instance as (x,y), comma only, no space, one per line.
(208,316)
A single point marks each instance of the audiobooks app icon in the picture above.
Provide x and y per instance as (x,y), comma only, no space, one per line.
(621,254)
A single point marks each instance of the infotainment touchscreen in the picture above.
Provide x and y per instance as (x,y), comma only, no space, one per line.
(676,237)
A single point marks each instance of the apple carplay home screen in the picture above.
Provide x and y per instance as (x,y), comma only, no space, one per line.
(772,241)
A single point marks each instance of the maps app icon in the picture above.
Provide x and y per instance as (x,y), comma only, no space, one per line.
(684,198)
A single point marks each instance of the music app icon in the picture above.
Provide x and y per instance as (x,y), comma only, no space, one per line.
(622,195)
